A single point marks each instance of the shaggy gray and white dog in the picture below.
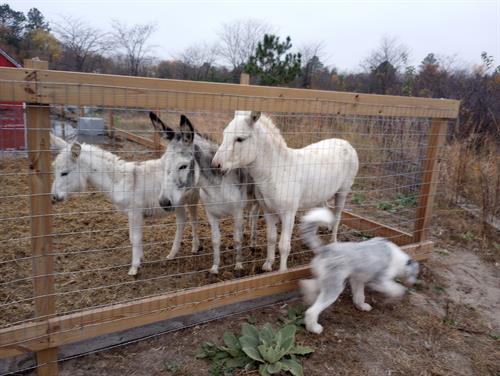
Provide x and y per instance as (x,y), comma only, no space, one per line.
(375,262)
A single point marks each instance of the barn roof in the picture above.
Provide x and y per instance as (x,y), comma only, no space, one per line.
(10,58)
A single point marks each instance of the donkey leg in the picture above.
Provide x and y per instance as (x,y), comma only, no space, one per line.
(193,212)
(214,224)
(135,222)
(180,221)
(284,246)
(340,198)
(271,232)
(254,218)
(238,234)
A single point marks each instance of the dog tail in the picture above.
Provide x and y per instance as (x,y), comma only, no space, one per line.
(309,226)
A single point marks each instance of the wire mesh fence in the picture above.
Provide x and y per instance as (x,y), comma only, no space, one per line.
(107,183)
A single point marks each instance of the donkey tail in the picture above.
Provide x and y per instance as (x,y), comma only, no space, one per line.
(309,226)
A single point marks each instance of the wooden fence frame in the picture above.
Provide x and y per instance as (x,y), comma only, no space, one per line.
(40,87)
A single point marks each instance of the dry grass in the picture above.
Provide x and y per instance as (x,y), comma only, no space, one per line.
(470,178)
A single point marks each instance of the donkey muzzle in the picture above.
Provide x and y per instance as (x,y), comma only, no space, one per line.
(56,198)
(166,204)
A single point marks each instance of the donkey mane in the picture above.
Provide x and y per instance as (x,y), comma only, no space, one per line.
(104,154)
(267,124)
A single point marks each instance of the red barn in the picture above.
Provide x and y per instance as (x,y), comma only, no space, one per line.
(12,129)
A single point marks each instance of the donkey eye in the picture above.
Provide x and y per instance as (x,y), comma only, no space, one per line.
(183,167)
(64,173)
(240,139)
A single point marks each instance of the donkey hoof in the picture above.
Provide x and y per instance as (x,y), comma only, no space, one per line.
(132,271)
(214,269)
(268,266)
(238,266)
(196,249)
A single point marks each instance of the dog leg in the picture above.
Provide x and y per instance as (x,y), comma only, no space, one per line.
(390,288)
(358,295)
(310,290)
(324,300)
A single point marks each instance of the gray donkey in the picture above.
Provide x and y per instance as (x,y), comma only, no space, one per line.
(187,167)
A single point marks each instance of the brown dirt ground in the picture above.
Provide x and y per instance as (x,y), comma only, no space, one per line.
(449,325)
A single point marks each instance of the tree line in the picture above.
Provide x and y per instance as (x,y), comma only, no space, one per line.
(253,46)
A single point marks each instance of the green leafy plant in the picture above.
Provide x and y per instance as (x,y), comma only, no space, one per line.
(387,206)
(295,316)
(357,198)
(174,368)
(400,201)
(405,201)
(267,350)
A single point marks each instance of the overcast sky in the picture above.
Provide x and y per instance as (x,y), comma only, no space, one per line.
(348,29)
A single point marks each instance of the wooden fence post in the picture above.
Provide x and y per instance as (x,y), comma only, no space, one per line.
(38,129)
(430,175)
(244,79)
(111,125)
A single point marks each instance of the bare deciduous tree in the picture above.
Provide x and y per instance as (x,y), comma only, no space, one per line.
(197,60)
(239,39)
(391,51)
(310,50)
(131,44)
(79,41)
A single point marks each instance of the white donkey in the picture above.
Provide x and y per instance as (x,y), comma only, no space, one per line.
(287,179)
(133,187)
(188,159)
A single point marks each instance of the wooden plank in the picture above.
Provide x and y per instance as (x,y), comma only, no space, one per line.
(430,168)
(120,134)
(374,228)
(16,364)
(137,92)
(38,128)
(76,327)
(91,323)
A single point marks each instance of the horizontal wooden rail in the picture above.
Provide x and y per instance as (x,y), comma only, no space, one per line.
(85,89)
(62,330)
(373,228)
(120,134)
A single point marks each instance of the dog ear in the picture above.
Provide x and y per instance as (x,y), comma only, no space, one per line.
(187,130)
(76,148)
(166,132)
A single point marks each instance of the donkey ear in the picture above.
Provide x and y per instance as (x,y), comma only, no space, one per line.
(167,132)
(254,116)
(76,148)
(57,143)
(187,130)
